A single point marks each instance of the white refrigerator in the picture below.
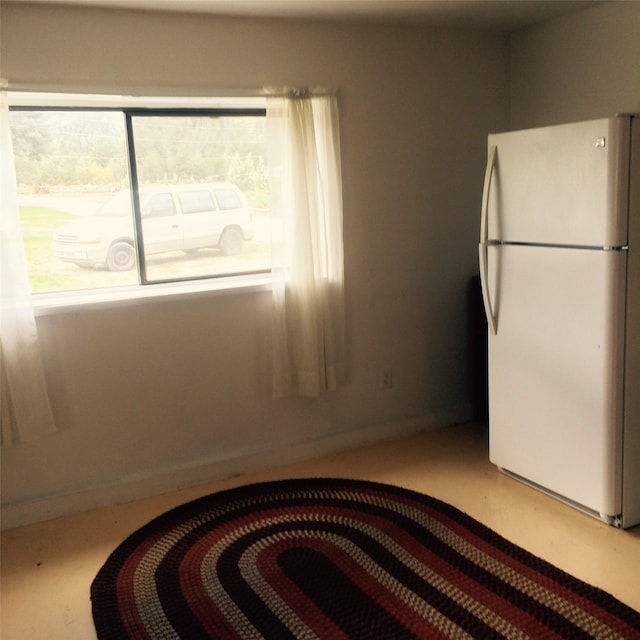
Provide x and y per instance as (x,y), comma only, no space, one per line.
(560,274)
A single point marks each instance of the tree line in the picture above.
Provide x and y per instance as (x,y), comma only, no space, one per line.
(80,150)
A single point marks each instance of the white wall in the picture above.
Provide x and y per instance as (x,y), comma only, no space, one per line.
(151,396)
(582,66)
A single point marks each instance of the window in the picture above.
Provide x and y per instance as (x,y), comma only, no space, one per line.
(126,192)
(227,199)
(196,201)
(160,205)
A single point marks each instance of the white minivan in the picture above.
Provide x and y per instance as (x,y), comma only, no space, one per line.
(174,218)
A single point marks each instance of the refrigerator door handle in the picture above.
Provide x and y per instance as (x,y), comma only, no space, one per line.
(484,241)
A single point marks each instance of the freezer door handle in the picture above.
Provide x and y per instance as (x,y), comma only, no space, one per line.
(484,241)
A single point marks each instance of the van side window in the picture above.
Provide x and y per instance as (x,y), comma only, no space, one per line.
(196,201)
(160,205)
(228,199)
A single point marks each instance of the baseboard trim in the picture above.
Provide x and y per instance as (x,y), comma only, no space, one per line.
(250,459)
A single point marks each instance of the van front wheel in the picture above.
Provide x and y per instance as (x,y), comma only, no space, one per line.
(121,257)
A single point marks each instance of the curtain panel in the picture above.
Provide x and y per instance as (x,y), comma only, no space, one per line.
(25,410)
(307,247)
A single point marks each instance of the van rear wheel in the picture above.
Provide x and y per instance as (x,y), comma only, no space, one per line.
(231,242)
(121,257)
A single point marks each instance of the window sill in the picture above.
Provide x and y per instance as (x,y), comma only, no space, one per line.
(53,303)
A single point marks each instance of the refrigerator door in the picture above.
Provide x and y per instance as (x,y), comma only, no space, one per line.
(561,185)
(555,370)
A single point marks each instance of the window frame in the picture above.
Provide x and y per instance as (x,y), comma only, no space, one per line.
(144,291)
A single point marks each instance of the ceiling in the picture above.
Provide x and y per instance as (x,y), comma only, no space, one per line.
(503,15)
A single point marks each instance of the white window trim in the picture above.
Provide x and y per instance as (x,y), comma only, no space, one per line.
(46,304)
(62,302)
(105,101)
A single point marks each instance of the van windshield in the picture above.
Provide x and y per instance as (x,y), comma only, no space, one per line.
(118,206)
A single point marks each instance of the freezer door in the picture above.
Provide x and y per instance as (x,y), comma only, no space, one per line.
(562,185)
(556,370)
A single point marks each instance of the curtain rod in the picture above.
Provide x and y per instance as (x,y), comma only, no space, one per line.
(298,92)
(151,92)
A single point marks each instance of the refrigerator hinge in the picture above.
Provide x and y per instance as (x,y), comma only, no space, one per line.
(614,521)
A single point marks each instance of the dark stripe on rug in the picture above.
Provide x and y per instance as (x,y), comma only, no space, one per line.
(355,612)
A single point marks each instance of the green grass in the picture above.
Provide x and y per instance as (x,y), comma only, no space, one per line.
(42,220)
(38,225)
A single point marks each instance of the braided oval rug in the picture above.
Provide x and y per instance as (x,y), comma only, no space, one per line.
(338,559)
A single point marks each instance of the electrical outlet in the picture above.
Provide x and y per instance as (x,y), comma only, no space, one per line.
(386,378)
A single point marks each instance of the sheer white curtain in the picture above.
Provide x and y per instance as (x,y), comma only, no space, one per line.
(25,411)
(307,249)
